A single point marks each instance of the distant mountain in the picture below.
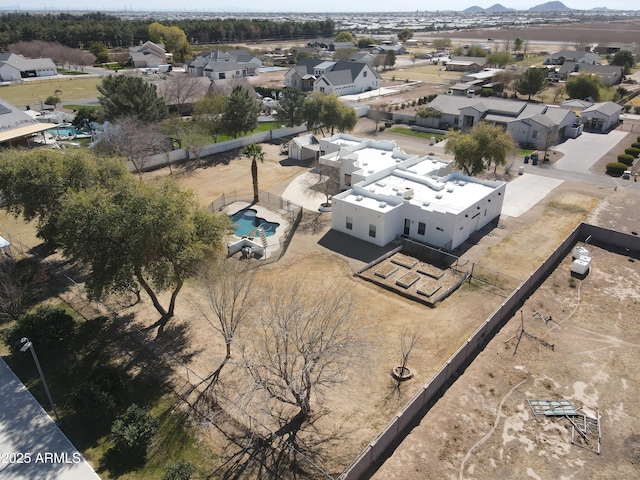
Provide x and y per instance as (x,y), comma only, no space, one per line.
(495,8)
(498,8)
(550,7)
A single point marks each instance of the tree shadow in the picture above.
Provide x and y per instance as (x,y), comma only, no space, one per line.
(296,450)
(313,223)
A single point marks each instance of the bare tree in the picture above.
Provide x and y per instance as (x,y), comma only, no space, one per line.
(325,180)
(548,140)
(136,141)
(226,287)
(303,342)
(343,54)
(181,91)
(408,341)
(20,285)
(378,61)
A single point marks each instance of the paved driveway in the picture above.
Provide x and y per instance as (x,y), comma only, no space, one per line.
(525,191)
(581,153)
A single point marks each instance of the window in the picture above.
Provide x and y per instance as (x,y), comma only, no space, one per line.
(534,134)
(455,120)
(407,226)
(347,179)
(372,230)
(349,223)
(364,74)
(421,228)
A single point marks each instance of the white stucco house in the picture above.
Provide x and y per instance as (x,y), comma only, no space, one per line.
(15,67)
(339,78)
(391,193)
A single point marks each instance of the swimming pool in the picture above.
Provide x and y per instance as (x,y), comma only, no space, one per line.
(271,69)
(247,221)
(63,131)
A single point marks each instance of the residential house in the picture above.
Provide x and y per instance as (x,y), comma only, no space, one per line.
(614,47)
(224,70)
(601,117)
(527,122)
(15,67)
(608,74)
(206,63)
(392,194)
(149,55)
(17,126)
(398,49)
(578,56)
(304,147)
(333,46)
(339,78)
(466,64)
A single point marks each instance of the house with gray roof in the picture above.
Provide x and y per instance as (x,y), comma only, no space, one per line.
(608,74)
(206,62)
(578,56)
(601,117)
(15,67)
(339,78)
(527,122)
(16,126)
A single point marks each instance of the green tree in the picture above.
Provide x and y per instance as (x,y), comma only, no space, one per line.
(173,38)
(139,235)
(133,431)
(476,51)
(48,327)
(389,59)
(241,113)
(208,112)
(33,182)
(499,59)
(441,44)
(532,81)
(624,59)
(327,112)
(365,42)
(180,470)
(583,86)
(344,37)
(85,116)
(124,95)
(100,51)
(517,44)
(405,34)
(255,153)
(290,110)
(476,150)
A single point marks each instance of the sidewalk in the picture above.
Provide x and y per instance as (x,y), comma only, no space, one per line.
(31,444)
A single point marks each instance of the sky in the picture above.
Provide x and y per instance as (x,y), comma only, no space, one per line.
(297,6)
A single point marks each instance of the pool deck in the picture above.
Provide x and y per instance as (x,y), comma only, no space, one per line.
(273,241)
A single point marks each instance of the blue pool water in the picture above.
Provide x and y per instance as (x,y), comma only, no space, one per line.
(246,222)
(63,131)
(272,69)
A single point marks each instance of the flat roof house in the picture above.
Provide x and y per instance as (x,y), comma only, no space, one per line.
(392,193)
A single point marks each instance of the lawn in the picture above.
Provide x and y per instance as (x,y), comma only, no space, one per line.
(36,92)
(416,133)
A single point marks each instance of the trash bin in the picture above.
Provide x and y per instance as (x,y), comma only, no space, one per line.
(534,159)
(526,159)
(521,171)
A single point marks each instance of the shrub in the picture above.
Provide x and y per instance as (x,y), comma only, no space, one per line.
(388,124)
(381,128)
(638,139)
(636,109)
(180,470)
(632,151)
(48,328)
(52,100)
(103,392)
(626,108)
(134,430)
(616,168)
(626,159)
(413,103)
(398,121)
(403,106)
(635,144)
(411,121)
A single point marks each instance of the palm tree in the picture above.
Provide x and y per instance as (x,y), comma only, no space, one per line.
(254,152)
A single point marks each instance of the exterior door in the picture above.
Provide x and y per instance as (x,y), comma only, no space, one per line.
(407,226)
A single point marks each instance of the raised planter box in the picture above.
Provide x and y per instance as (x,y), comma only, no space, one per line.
(408,279)
(386,270)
